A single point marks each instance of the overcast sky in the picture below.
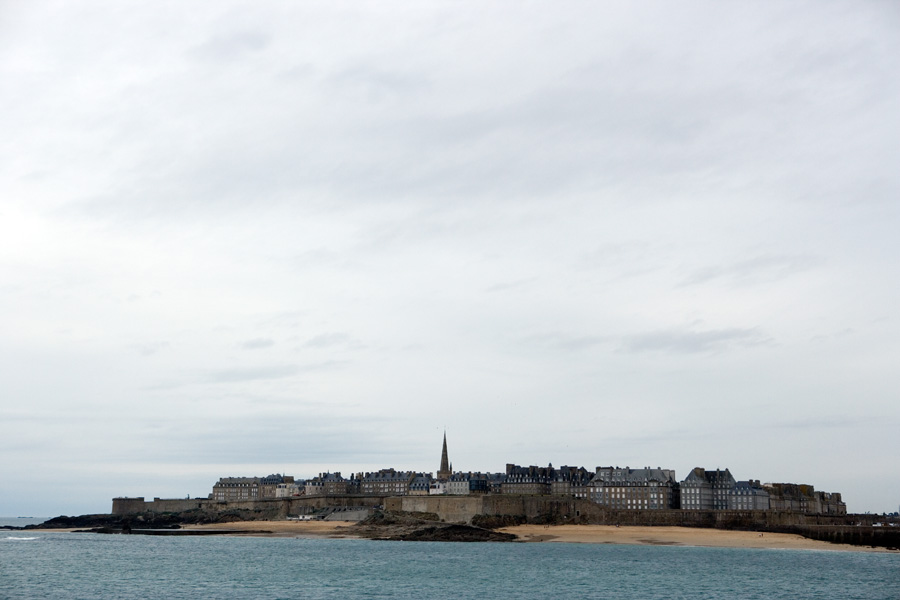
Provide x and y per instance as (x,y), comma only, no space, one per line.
(246,238)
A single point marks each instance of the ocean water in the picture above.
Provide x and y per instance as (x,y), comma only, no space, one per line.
(43,564)
(20,521)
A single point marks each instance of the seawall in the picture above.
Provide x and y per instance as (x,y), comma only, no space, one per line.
(851,529)
(274,508)
(553,509)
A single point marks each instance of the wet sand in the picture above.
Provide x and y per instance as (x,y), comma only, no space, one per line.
(296,529)
(675,536)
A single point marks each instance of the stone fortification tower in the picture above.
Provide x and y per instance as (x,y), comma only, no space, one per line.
(446,470)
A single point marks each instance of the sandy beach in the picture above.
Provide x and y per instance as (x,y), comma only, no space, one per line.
(298,529)
(582,534)
(675,536)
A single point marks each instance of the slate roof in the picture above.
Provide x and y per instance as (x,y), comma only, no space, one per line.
(717,477)
(610,475)
(748,488)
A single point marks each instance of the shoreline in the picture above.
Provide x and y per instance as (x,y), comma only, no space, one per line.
(677,536)
(579,534)
(573,534)
(293,529)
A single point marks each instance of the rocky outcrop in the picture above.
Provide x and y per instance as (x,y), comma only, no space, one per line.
(146,520)
(408,528)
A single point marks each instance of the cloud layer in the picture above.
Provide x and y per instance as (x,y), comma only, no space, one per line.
(302,237)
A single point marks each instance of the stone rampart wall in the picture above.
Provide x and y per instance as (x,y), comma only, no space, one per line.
(452,509)
(550,509)
(270,508)
(886,537)
(462,509)
(128,506)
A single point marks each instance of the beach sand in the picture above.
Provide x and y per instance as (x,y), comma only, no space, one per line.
(675,536)
(581,534)
(297,529)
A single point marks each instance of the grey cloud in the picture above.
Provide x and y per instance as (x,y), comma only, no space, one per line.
(251,374)
(377,84)
(827,337)
(616,253)
(326,340)
(248,374)
(567,342)
(228,47)
(318,257)
(673,341)
(828,422)
(619,134)
(314,437)
(150,348)
(592,127)
(441,190)
(274,372)
(298,72)
(692,342)
(257,343)
(760,268)
(511,286)
(282,321)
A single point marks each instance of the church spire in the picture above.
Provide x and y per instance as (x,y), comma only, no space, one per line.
(444,472)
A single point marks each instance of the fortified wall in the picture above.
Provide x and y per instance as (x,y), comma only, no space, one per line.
(853,529)
(549,509)
(270,508)
(462,509)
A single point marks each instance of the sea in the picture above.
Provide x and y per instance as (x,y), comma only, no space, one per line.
(47,564)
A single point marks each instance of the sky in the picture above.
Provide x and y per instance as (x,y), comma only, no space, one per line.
(294,237)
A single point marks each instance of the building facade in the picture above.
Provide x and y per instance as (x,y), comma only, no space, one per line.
(328,484)
(235,489)
(386,482)
(420,485)
(290,488)
(571,481)
(801,497)
(527,480)
(458,484)
(634,489)
(706,489)
(748,495)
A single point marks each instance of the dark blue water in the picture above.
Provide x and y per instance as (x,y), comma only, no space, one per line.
(69,565)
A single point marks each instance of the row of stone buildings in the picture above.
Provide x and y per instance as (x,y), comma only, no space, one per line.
(620,488)
(235,489)
(615,487)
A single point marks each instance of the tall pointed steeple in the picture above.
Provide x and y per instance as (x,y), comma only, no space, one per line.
(444,472)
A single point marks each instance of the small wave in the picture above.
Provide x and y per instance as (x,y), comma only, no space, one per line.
(21,538)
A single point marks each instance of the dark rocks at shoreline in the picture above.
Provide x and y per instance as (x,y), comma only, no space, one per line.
(406,528)
(66,522)
(451,532)
(145,523)
(138,521)
(498,521)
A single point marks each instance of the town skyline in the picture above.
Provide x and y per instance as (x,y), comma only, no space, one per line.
(350,472)
(566,480)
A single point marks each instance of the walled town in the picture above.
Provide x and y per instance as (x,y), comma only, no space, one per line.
(473,506)
(621,488)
